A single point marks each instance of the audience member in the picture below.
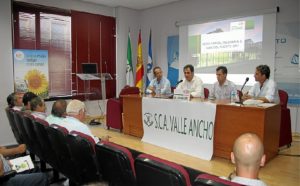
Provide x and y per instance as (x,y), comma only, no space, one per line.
(222,88)
(10,100)
(191,83)
(58,112)
(17,101)
(27,97)
(248,156)
(12,151)
(160,84)
(75,117)
(32,179)
(38,108)
(265,89)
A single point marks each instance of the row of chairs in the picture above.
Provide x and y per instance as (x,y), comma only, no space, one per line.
(76,155)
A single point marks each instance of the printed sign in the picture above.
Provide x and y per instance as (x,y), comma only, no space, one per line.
(189,130)
(31,71)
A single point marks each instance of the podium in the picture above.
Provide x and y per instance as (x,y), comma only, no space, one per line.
(86,78)
(103,78)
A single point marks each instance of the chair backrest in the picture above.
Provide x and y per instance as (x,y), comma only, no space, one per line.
(12,123)
(58,139)
(82,148)
(128,90)
(283,96)
(18,116)
(206,93)
(33,142)
(151,171)
(208,179)
(40,127)
(117,164)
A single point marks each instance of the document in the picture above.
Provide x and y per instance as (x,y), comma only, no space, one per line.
(21,164)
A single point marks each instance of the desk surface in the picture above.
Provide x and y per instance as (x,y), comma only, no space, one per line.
(282,170)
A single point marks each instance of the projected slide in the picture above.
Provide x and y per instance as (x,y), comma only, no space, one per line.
(225,42)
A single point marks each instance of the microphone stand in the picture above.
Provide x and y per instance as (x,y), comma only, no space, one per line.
(241,94)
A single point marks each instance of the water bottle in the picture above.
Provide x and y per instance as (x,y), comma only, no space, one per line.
(158,91)
(233,96)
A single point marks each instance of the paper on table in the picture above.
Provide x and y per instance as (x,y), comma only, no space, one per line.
(252,102)
(266,105)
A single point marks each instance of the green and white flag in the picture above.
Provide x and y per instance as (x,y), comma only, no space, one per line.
(129,70)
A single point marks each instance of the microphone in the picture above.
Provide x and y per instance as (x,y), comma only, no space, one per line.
(241,94)
(246,80)
(178,83)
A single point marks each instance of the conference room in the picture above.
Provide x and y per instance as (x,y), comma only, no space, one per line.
(103,53)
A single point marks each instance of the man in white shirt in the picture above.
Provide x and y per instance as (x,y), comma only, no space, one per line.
(222,88)
(191,83)
(74,120)
(160,84)
(248,156)
(265,89)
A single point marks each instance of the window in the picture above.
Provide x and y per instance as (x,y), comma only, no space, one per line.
(34,29)
(71,38)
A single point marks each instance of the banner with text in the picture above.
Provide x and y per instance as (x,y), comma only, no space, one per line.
(31,71)
(186,127)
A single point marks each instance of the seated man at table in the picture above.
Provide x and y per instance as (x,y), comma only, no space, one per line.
(248,156)
(160,84)
(75,117)
(222,88)
(265,89)
(191,83)
(58,112)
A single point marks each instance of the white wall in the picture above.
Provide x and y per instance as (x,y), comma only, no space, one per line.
(162,20)
(126,19)
(6,75)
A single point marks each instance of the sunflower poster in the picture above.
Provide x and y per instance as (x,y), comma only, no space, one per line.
(31,71)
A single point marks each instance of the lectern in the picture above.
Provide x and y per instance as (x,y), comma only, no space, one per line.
(103,78)
(86,78)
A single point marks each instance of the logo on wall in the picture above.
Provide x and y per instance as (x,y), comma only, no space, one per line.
(148,119)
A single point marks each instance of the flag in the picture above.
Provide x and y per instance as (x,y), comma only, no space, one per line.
(150,63)
(139,65)
(129,69)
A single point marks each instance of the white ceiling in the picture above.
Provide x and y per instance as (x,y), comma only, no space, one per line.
(134,4)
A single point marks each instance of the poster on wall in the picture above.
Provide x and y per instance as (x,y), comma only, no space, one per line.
(31,71)
(173,56)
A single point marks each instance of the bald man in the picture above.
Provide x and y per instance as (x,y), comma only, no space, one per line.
(58,112)
(248,156)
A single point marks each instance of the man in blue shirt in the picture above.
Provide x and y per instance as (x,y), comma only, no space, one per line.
(160,84)
(223,87)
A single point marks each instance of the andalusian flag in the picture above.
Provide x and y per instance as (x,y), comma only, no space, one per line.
(149,63)
(139,66)
(129,69)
